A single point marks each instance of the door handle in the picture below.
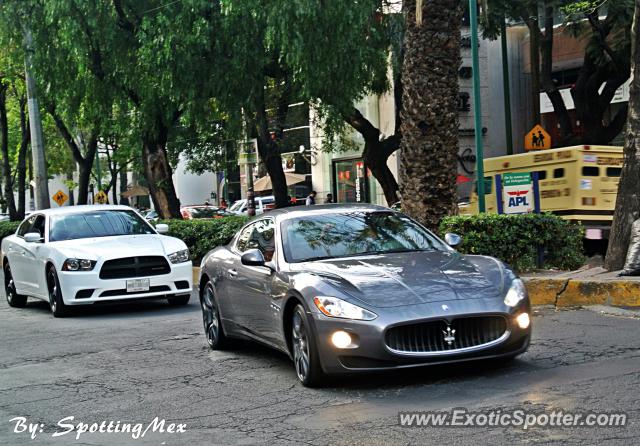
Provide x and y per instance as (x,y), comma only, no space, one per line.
(232,272)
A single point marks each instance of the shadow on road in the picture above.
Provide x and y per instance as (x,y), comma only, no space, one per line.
(147,307)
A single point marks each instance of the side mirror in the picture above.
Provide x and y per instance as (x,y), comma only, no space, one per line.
(32,237)
(253,257)
(162,228)
(452,239)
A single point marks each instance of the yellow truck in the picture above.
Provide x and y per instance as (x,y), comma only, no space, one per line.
(579,183)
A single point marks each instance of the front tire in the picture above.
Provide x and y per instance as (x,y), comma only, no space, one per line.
(305,352)
(213,330)
(58,308)
(13,298)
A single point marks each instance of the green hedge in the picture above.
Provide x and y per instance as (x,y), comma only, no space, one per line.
(514,238)
(8,228)
(201,236)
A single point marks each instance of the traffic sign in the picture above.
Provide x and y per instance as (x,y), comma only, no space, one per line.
(517,193)
(537,139)
(60,197)
(101,198)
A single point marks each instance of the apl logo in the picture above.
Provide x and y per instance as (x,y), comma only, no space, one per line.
(518,198)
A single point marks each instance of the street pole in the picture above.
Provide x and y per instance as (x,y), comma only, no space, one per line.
(98,174)
(477,106)
(41,179)
(507,88)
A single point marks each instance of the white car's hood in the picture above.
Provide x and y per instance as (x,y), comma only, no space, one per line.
(119,246)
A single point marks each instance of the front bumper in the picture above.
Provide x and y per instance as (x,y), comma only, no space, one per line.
(370,352)
(86,287)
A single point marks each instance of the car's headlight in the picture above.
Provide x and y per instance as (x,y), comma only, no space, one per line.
(334,307)
(78,265)
(516,293)
(179,256)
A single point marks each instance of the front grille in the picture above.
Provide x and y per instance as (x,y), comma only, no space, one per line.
(135,267)
(429,337)
(123,292)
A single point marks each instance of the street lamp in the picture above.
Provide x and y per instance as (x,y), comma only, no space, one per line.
(477,107)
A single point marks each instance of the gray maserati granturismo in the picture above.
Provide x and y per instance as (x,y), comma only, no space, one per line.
(351,288)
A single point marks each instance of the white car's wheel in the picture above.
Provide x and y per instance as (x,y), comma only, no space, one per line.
(58,308)
(13,298)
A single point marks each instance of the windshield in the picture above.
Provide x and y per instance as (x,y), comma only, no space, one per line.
(96,224)
(237,205)
(353,233)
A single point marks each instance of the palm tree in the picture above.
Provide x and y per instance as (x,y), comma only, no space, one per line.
(430,109)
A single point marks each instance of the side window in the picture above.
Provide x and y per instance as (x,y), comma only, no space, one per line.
(38,225)
(26,225)
(242,244)
(263,238)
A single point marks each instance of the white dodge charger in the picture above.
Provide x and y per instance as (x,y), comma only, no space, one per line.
(80,255)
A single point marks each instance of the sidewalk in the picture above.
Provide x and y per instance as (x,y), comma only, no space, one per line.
(589,286)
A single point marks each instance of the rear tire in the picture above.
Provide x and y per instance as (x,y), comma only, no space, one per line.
(305,352)
(58,308)
(179,300)
(213,331)
(13,298)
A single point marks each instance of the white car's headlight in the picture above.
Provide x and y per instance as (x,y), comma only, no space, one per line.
(516,293)
(78,265)
(179,256)
(334,307)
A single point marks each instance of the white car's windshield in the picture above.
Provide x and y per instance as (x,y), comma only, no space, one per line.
(96,224)
(237,205)
(332,235)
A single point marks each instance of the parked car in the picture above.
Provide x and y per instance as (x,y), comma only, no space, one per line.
(203,211)
(239,207)
(79,255)
(348,288)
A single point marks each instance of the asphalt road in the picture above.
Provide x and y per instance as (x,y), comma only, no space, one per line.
(132,363)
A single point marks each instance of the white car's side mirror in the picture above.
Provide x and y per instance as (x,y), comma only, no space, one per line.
(162,228)
(32,237)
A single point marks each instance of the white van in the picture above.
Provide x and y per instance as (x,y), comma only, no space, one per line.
(240,207)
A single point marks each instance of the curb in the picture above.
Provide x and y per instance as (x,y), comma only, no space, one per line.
(564,292)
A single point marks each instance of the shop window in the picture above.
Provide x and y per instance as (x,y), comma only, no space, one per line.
(614,171)
(558,173)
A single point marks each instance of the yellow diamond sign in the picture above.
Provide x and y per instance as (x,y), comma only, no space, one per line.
(101,198)
(60,197)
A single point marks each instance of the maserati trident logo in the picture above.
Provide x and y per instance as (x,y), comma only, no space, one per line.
(449,335)
(445,307)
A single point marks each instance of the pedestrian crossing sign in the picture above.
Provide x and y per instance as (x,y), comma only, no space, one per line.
(60,197)
(101,198)
(537,139)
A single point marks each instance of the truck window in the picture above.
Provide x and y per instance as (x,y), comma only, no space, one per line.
(590,171)
(542,175)
(558,173)
(614,171)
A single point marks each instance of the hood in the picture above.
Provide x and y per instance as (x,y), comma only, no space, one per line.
(411,278)
(119,246)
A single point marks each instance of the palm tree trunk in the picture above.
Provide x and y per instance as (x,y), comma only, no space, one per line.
(430,111)
(627,203)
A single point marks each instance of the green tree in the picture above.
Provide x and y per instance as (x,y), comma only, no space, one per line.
(605,26)
(328,54)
